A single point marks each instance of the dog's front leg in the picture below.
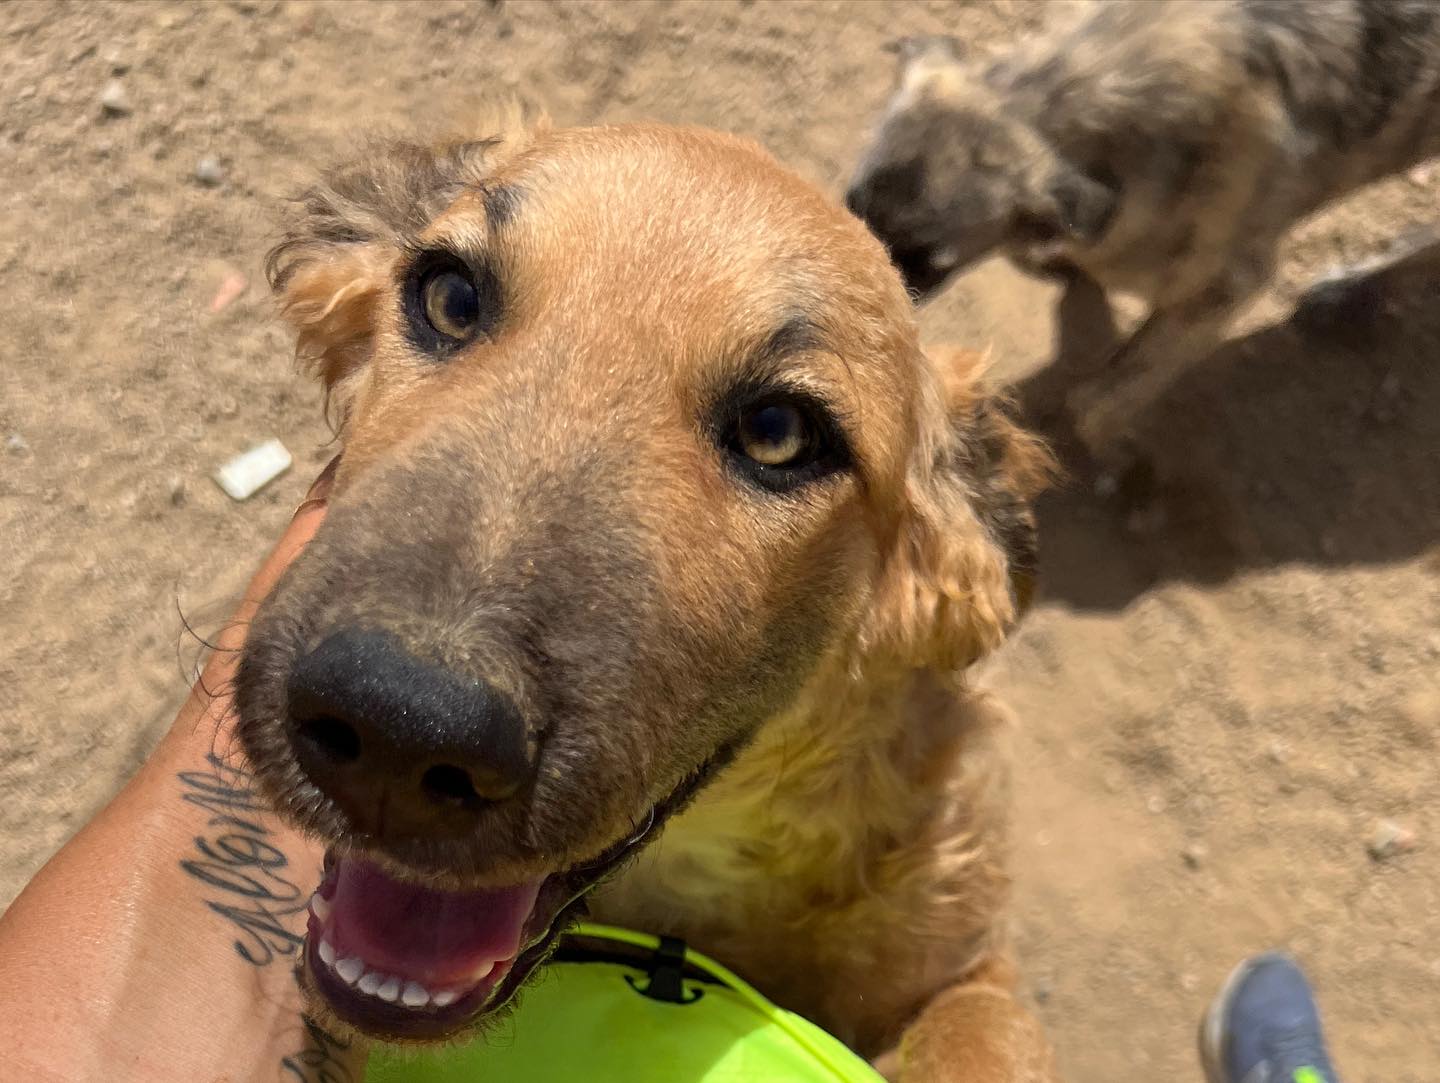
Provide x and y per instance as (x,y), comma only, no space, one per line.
(1144,368)
(976,1032)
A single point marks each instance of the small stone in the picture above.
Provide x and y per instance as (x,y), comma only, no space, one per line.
(1389,839)
(1194,855)
(232,287)
(114,102)
(16,444)
(1155,803)
(1189,982)
(1277,751)
(117,60)
(1040,990)
(209,171)
(179,492)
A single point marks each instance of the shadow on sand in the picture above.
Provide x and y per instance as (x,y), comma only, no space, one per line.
(1296,444)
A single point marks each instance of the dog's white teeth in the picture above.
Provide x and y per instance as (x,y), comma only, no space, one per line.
(415,995)
(445,999)
(390,991)
(320,908)
(350,970)
(371,982)
(327,953)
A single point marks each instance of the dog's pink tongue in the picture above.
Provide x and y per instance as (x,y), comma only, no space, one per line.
(433,937)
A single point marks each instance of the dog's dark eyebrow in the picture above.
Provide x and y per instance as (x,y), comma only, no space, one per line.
(502,204)
(796,335)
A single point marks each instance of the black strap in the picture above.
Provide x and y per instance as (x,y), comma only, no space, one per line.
(667,974)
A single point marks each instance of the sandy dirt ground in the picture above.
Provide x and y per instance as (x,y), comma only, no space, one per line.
(1218,698)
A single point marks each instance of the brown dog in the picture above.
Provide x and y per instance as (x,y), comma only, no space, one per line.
(651,508)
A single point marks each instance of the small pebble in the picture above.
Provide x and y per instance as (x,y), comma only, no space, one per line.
(231,288)
(112,55)
(1194,855)
(114,102)
(209,171)
(1155,803)
(178,492)
(1389,839)
(16,444)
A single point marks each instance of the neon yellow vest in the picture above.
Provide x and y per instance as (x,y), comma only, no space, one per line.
(590,1022)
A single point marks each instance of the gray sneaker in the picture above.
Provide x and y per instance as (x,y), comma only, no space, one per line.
(1263,1027)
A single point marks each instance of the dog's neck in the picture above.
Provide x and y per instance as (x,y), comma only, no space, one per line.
(847,862)
(819,811)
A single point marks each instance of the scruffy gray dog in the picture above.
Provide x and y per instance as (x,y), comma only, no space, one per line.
(1160,148)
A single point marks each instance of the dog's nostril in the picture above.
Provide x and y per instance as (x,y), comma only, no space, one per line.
(333,739)
(445,784)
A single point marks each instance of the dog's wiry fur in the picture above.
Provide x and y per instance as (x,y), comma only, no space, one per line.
(548,509)
(1157,147)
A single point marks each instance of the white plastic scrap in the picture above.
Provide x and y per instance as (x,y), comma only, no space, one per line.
(246,474)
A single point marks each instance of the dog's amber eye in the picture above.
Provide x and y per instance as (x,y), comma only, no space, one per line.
(781,439)
(452,303)
(775,434)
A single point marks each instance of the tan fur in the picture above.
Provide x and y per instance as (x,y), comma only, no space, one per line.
(850,861)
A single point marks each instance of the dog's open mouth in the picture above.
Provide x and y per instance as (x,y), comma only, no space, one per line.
(407,962)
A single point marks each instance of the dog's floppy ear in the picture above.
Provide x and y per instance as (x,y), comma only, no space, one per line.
(964,561)
(339,252)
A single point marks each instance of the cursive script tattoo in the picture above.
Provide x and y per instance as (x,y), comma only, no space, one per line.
(237,862)
(322,1060)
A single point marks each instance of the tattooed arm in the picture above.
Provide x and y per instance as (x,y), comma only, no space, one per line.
(158,944)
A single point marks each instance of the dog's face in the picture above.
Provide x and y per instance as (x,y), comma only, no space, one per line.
(636,433)
(952,173)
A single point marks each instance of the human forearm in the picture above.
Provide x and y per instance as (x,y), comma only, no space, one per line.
(158,943)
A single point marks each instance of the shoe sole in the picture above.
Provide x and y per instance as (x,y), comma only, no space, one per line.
(1212,1024)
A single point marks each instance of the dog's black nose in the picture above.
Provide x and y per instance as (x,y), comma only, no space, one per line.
(403,747)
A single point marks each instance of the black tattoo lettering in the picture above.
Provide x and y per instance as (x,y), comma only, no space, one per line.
(322,1060)
(236,860)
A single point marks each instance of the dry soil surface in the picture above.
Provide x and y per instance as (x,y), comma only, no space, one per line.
(1219,697)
